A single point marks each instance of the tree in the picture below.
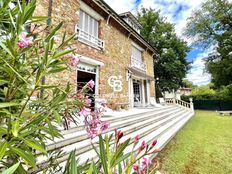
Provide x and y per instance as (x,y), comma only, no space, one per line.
(170,65)
(211,25)
(188,84)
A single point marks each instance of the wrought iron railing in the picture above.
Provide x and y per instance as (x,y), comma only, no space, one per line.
(84,36)
(138,64)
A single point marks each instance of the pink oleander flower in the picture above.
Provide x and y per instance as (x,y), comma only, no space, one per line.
(72,60)
(142,145)
(136,168)
(95,126)
(146,162)
(91,84)
(105,125)
(24,41)
(154,143)
(136,140)
(88,101)
(85,112)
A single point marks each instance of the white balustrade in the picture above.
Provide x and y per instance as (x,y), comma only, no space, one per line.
(89,39)
(138,64)
(179,102)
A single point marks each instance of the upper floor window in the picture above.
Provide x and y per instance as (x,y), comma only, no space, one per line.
(136,59)
(88,30)
(136,54)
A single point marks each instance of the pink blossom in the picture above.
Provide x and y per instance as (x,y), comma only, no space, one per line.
(136,139)
(85,111)
(153,143)
(72,59)
(91,84)
(105,125)
(136,168)
(88,102)
(24,41)
(146,162)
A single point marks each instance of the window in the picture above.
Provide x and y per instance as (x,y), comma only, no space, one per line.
(136,59)
(136,54)
(88,30)
(88,24)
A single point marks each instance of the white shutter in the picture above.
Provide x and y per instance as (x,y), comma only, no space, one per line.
(88,24)
(136,54)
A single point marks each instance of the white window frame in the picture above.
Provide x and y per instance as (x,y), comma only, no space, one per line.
(90,38)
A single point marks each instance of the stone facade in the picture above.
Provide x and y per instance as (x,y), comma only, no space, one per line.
(116,55)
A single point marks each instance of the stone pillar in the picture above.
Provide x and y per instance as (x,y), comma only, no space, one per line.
(191,103)
(143,93)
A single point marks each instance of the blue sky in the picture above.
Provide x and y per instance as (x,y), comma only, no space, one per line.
(176,11)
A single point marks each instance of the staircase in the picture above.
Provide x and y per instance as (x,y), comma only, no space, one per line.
(160,123)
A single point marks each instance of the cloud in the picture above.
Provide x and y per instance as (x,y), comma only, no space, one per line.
(197,74)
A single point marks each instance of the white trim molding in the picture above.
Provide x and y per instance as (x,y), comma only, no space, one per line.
(89,60)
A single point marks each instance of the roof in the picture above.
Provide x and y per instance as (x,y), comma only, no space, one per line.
(112,14)
(132,17)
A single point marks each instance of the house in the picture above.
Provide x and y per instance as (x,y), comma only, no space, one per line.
(112,52)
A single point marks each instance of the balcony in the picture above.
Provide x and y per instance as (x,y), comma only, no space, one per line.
(89,39)
(138,64)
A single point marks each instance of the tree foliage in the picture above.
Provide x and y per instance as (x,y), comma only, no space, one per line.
(170,64)
(211,26)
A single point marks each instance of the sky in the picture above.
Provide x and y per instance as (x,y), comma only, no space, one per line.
(177,12)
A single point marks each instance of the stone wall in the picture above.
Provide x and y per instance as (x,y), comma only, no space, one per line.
(115,56)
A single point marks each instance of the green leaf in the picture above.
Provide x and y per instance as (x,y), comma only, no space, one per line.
(15,71)
(3,146)
(38,18)
(53,32)
(2,82)
(119,168)
(15,128)
(27,156)
(35,145)
(103,154)
(12,169)
(73,164)
(60,54)
(8,104)
(119,152)
(57,116)
(7,50)
(3,131)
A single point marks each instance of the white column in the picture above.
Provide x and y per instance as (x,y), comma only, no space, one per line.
(97,82)
(143,93)
(131,93)
(148,91)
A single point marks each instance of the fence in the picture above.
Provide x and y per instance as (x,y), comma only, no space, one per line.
(219,105)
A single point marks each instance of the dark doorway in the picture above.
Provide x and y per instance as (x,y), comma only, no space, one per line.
(82,79)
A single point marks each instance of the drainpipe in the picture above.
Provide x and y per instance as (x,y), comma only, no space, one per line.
(49,22)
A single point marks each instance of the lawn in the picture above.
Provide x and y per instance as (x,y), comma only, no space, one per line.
(203,146)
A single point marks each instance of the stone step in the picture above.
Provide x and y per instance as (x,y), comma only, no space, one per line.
(148,136)
(116,118)
(159,124)
(115,123)
(155,124)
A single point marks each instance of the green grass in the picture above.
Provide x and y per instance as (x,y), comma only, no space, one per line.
(203,146)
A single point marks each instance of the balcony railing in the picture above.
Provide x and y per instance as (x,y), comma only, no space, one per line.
(89,39)
(138,64)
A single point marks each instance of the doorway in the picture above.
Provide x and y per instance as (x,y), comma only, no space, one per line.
(137,93)
(82,79)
